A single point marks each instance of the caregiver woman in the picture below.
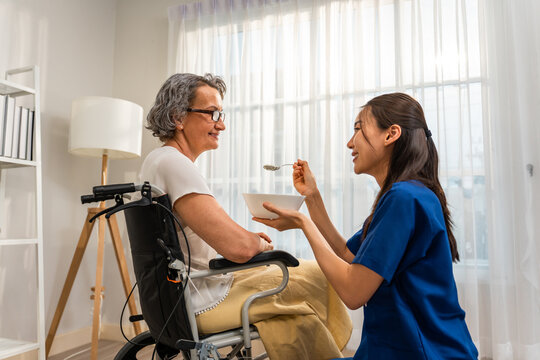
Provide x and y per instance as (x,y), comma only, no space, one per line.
(399,265)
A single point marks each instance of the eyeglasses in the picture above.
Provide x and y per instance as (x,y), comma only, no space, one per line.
(216,115)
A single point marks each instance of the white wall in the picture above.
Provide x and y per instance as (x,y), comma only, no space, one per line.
(140,68)
(73,43)
(100,47)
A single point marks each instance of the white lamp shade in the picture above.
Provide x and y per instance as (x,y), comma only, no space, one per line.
(103,125)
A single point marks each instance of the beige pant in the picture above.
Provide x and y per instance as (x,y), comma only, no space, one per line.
(307,320)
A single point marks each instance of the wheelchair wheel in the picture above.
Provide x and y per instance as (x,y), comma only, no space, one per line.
(129,351)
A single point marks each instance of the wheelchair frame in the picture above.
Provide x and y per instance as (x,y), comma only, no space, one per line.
(201,348)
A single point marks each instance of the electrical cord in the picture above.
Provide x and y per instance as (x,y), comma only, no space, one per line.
(171,214)
(122,315)
(181,229)
(168,319)
(124,309)
(185,282)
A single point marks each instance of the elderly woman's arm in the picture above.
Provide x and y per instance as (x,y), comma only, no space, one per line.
(204,215)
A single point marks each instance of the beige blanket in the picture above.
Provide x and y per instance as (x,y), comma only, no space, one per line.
(305,321)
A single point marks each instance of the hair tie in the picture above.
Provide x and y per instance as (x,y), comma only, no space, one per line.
(428,133)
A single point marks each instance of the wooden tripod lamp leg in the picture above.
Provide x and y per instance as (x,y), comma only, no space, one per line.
(122,265)
(70,278)
(98,287)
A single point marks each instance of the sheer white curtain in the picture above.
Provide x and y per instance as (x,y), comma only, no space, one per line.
(512,100)
(297,73)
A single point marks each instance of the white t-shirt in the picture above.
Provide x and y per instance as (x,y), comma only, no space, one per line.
(177,175)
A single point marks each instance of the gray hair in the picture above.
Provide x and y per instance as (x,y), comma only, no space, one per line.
(173,100)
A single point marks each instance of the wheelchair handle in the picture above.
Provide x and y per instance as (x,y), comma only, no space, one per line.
(114,189)
(116,192)
(108,192)
(86,199)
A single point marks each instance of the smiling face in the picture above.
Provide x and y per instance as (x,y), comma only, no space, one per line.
(370,146)
(198,132)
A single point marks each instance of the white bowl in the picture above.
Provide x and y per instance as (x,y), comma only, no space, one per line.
(254,203)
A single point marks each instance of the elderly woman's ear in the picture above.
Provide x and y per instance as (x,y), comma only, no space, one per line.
(179,122)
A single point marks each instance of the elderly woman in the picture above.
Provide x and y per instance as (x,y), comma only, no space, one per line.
(305,321)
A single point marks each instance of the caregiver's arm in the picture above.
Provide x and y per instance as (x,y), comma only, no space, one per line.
(354,283)
(320,217)
(305,184)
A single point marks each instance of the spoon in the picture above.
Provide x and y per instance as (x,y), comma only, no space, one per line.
(274,167)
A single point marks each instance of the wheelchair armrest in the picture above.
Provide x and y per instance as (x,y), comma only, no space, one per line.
(280,258)
(261,258)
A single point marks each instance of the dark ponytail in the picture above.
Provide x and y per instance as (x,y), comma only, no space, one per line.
(414,156)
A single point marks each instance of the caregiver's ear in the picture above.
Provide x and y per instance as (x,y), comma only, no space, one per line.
(392,134)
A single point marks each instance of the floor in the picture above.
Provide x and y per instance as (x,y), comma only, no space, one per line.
(107,350)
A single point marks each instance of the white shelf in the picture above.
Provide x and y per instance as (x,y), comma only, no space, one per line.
(13,89)
(9,347)
(7,162)
(6,242)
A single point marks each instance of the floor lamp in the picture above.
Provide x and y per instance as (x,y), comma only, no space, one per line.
(107,128)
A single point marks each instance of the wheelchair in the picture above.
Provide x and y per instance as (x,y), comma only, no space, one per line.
(162,272)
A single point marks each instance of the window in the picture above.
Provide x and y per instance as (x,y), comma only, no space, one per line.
(298,71)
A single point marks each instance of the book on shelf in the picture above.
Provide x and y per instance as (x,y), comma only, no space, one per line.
(30,136)
(2,122)
(16,133)
(16,129)
(8,126)
(23,134)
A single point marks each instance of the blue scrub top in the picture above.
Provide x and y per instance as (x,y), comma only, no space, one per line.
(415,313)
